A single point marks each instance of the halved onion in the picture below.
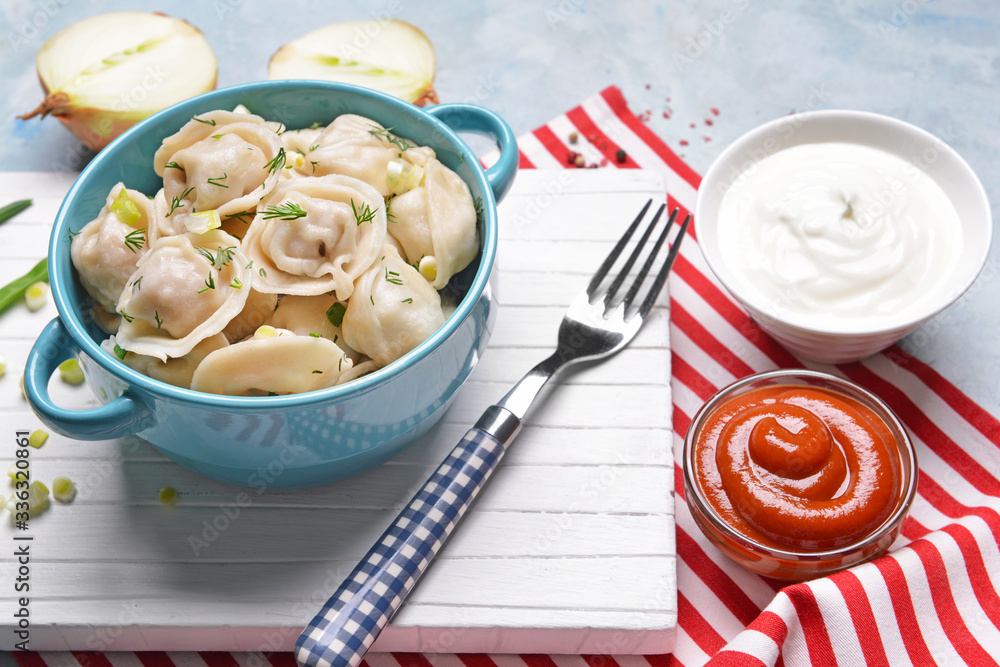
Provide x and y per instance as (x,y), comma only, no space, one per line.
(388,55)
(104,74)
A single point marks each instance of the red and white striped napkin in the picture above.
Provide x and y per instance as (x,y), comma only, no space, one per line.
(932,600)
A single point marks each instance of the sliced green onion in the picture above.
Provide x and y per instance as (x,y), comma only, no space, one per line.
(14,291)
(36,295)
(125,209)
(265,331)
(13,470)
(401,176)
(38,438)
(168,495)
(38,499)
(203,221)
(63,489)
(428,268)
(12,209)
(70,371)
(336,314)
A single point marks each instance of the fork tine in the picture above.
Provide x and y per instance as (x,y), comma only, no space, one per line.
(602,272)
(609,297)
(627,301)
(661,277)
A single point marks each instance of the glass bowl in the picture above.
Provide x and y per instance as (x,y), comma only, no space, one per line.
(786,562)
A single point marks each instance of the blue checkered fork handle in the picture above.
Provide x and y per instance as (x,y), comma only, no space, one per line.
(341,633)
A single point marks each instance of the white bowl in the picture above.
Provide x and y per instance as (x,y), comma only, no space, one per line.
(928,152)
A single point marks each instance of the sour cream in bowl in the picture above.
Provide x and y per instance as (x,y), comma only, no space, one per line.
(842,231)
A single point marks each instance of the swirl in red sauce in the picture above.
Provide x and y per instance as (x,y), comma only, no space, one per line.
(799,467)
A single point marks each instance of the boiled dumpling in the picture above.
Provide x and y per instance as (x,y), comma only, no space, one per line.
(435,224)
(176,371)
(219,161)
(273,361)
(187,288)
(257,311)
(107,249)
(319,315)
(393,310)
(316,235)
(353,146)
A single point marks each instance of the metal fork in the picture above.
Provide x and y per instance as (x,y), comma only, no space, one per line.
(597,324)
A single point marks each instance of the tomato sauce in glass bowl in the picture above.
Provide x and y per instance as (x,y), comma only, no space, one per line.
(797,474)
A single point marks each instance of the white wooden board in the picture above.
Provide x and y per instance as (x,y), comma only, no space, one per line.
(570,549)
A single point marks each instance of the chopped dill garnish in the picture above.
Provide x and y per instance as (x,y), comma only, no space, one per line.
(216,183)
(220,259)
(316,125)
(177,202)
(317,372)
(159,321)
(201,120)
(287,211)
(388,214)
(410,300)
(478,205)
(362,214)
(314,147)
(209,284)
(276,163)
(173,165)
(137,282)
(386,134)
(125,316)
(236,284)
(392,277)
(135,240)
(314,334)
(262,272)
(239,216)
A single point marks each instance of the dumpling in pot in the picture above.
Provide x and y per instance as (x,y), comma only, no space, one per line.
(393,310)
(354,146)
(176,371)
(320,315)
(220,160)
(316,235)
(187,288)
(107,249)
(435,223)
(257,311)
(273,361)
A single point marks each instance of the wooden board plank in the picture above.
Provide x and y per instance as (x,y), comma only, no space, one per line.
(570,549)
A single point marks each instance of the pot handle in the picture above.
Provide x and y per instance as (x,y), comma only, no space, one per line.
(472,118)
(122,416)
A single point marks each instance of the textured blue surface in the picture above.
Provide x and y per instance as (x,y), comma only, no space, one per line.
(933,63)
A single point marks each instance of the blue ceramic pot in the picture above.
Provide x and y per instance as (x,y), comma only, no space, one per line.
(281,441)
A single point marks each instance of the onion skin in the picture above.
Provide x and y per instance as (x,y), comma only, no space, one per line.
(96,127)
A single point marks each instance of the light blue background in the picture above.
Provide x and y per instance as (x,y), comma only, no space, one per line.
(933,63)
